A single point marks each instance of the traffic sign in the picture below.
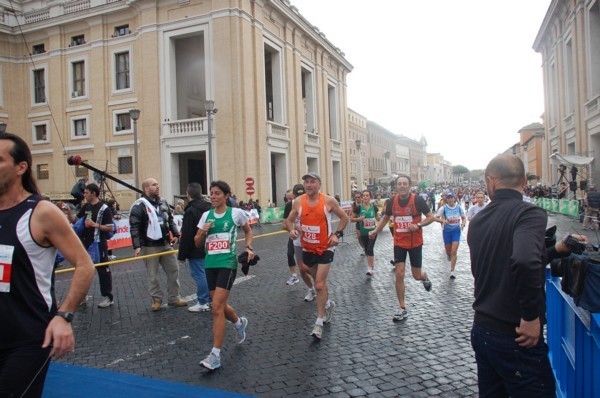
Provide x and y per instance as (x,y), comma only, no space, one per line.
(250,190)
(249,181)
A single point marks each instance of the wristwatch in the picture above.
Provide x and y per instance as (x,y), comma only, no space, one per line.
(67,316)
(339,234)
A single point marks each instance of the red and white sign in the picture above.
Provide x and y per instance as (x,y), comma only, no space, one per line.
(250,190)
(250,181)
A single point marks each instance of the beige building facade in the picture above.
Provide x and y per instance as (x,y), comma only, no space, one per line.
(359,155)
(532,150)
(278,86)
(569,42)
(439,170)
(382,154)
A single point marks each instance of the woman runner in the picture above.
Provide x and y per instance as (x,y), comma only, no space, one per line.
(367,216)
(217,230)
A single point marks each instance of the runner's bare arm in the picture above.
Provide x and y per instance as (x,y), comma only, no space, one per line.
(249,239)
(289,223)
(380,225)
(335,208)
(50,227)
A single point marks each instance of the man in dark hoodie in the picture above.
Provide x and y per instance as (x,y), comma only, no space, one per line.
(188,250)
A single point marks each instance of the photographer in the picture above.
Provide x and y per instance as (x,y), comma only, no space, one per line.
(508,262)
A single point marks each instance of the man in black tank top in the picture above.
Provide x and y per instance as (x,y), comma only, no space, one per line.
(34,329)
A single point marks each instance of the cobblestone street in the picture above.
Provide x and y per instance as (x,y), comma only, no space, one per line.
(363,352)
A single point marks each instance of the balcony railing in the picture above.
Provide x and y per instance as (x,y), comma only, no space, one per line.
(311,139)
(186,127)
(77,6)
(279,131)
(336,145)
(592,107)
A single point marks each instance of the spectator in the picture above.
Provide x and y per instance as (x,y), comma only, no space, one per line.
(195,256)
(179,208)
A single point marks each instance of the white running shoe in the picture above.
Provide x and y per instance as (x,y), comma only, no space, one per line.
(106,302)
(310,296)
(329,312)
(317,332)
(241,331)
(199,308)
(292,280)
(211,362)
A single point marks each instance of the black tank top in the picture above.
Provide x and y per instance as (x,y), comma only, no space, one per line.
(27,302)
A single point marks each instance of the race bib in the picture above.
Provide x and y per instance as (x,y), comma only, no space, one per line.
(369,223)
(6,257)
(218,243)
(454,221)
(402,223)
(311,233)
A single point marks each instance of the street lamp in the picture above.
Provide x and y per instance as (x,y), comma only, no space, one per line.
(134,114)
(359,175)
(209,107)
(2,127)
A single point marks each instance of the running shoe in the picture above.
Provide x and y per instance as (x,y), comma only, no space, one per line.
(292,280)
(106,302)
(211,362)
(370,271)
(452,276)
(241,331)
(199,308)
(310,296)
(317,332)
(427,284)
(400,315)
(329,312)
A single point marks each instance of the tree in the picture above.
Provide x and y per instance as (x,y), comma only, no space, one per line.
(459,172)
(459,169)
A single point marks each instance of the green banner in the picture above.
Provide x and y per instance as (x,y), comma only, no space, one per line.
(271,214)
(562,206)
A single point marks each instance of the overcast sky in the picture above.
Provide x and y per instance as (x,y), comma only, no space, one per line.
(461,73)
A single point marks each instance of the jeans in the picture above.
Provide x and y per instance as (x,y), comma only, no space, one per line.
(504,369)
(199,276)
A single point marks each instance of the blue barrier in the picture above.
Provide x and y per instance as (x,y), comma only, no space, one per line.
(574,342)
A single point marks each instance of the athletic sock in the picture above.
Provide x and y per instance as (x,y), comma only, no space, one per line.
(217,352)
(327,304)
(319,321)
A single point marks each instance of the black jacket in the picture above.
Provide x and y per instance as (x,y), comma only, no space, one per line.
(189,228)
(508,262)
(138,223)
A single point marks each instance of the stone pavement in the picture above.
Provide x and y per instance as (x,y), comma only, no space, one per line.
(362,353)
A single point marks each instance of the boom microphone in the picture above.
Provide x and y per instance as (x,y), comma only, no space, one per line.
(74,160)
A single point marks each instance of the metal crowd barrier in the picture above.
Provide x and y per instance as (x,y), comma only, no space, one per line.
(574,342)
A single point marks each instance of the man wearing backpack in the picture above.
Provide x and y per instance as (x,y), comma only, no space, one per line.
(98,226)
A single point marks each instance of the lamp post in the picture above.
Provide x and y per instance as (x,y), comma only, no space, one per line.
(209,107)
(387,163)
(134,114)
(359,177)
(2,127)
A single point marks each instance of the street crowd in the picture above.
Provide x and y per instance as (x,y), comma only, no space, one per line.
(506,238)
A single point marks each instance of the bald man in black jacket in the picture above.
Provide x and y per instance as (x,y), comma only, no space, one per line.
(508,262)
